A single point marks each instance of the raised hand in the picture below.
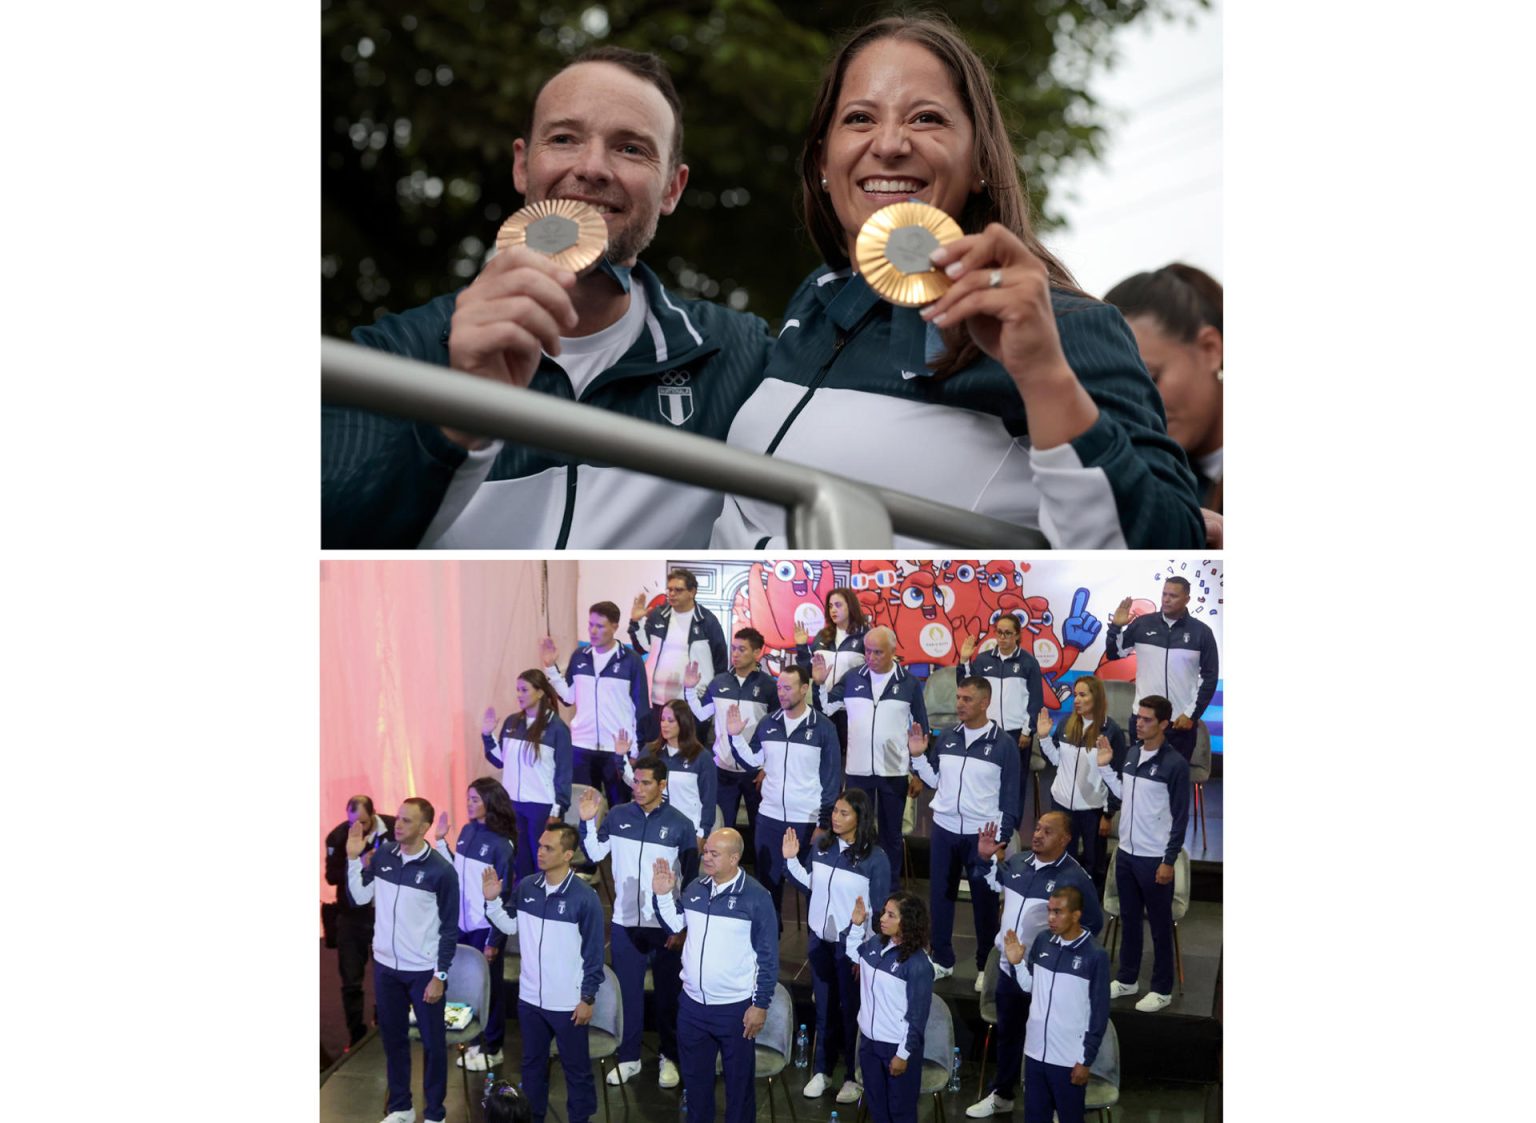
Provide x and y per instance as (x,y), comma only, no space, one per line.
(986,842)
(1106,751)
(819,669)
(917,740)
(735,724)
(547,651)
(691,676)
(1082,627)
(588,805)
(1012,948)
(860,913)
(637,608)
(490,884)
(967,649)
(621,742)
(791,846)
(662,878)
(488,721)
(355,841)
(1122,615)
(442,825)
(1043,723)
(802,637)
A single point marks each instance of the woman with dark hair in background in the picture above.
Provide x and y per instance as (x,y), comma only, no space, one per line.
(504,1103)
(534,754)
(1014,394)
(896,989)
(691,776)
(1175,314)
(843,642)
(845,864)
(485,840)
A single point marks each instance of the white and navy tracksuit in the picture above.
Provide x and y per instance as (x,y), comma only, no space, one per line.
(537,779)
(976,772)
(478,847)
(877,760)
(1018,692)
(636,840)
(894,996)
(834,881)
(705,645)
(691,786)
(730,962)
(1154,813)
(550,923)
(354,922)
(415,929)
(606,703)
(1027,884)
(844,653)
(1174,658)
(1078,789)
(799,758)
(1068,982)
(753,695)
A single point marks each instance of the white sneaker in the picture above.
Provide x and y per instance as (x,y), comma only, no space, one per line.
(850,1092)
(1117,989)
(408,1116)
(623,1072)
(476,1061)
(981,981)
(942,972)
(815,1086)
(669,1077)
(1154,1002)
(989,1106)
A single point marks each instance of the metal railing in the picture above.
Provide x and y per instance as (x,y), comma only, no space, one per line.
(824,511)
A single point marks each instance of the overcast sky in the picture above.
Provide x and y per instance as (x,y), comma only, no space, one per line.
(1157,197)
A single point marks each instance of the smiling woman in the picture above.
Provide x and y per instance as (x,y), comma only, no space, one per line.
(1018,396)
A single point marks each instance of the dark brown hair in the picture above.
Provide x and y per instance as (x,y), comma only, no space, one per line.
(643,65)
(688,743)
(1003,199)
(540,682)
(856,620)
(1181,298)
(607,610)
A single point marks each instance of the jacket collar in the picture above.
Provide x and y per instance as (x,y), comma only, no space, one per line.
(564,885)
(672,336)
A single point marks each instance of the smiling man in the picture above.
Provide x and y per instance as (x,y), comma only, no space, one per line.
(606,130)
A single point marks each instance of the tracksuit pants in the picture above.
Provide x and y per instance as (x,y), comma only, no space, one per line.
(631,950)
(601,770)
(540,1027)
(734,788)
(354,943)
(1136,879)
(1085,844)
(1049,1088)
(1012,1014)
(1182,740)
(768,855)
(531,820)
(397,993)
(891,1099)
(949,856)
(835,992)
(495,1020)
(889,796)
(702,1031)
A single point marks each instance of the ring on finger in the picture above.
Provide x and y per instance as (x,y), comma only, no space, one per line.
(995,279)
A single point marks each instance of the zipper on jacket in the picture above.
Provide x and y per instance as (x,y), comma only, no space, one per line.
(570,506)
(810,391)
(1045,1025)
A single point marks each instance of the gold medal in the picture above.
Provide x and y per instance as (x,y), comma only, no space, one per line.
(567,231)
(892,252)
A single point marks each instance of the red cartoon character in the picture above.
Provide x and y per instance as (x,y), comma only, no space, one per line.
(870,581)
(998,578)
(920,619)
(783,594)
(963,579)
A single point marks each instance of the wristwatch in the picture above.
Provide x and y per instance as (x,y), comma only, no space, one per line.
(588,999)
(440,976)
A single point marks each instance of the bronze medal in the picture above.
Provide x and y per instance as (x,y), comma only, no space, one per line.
(567,231)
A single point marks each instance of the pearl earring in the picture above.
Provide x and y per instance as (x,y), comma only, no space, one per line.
(823,183)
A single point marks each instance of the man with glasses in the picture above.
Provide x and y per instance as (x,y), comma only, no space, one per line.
(680,632)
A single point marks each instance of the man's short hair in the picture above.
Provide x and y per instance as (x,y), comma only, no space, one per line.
(798,671)
(643,65)
(1178,581)
(1161,708)
(422,805)
(690,582)
(753,637)
(361,802)
(569,839)
(1063,818)
(978,684)
(653,764)
(607,610)
(1069,895)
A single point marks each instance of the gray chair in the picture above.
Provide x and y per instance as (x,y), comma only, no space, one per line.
(774,1043)
(1120,697)
(469,981)
(1111,906)
(1199,773)
(989,979)
(938,1053)
(605,1031)
(939,696)
(1104,1077)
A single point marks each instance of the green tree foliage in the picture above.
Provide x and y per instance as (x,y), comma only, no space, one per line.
(421,101)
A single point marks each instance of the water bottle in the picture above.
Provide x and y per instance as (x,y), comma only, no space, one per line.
(834,1117)
(954,1072)
(684,1108)
(802,1048)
